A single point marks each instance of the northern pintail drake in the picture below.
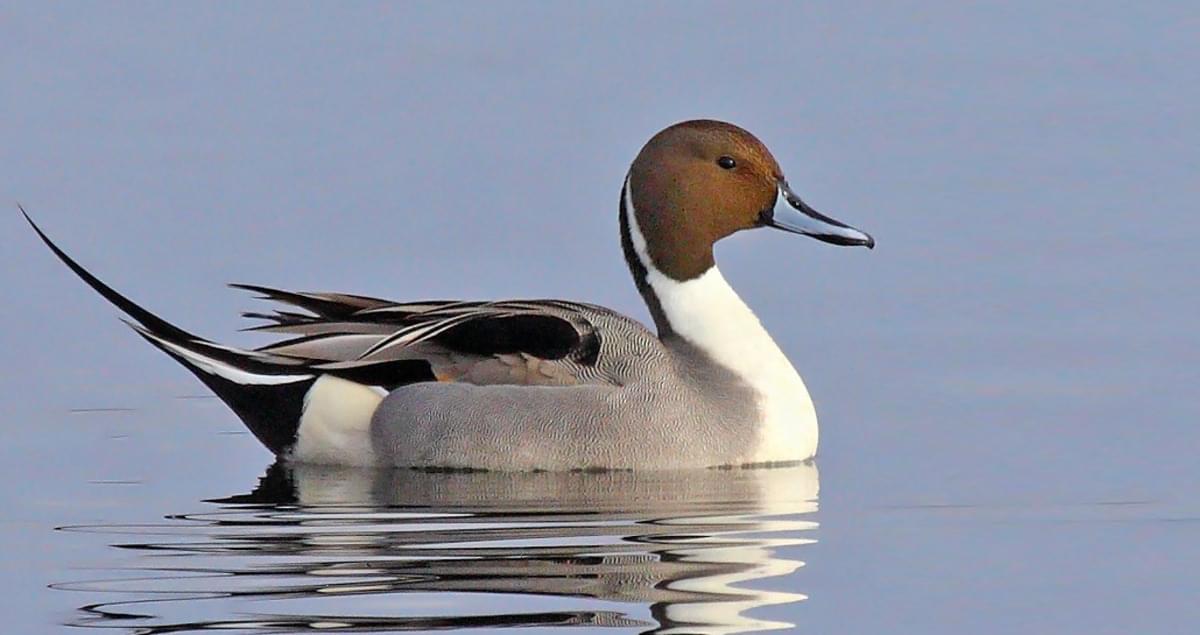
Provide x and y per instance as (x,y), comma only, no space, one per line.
(542,384)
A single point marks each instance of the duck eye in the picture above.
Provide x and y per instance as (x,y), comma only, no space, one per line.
(727,163)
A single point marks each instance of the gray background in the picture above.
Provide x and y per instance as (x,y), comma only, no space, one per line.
(1023,335)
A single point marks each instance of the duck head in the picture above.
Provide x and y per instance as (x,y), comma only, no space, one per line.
(697,182)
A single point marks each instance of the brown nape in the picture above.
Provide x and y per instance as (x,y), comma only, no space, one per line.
(685,200)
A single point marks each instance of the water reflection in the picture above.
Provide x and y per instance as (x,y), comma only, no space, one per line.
(343,550)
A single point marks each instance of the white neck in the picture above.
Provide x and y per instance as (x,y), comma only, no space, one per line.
(708,313)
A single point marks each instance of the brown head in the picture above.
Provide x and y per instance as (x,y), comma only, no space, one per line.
(700,181)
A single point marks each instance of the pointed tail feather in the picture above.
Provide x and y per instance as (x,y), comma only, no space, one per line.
(140,315)
(271,411)
(266,392)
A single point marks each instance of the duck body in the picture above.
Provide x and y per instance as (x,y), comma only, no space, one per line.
(657,403)
(542,384)
(662,404)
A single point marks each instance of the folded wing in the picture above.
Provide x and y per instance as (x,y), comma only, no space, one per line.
(525,342)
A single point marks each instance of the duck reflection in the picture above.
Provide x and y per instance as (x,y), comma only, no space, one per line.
(329,549)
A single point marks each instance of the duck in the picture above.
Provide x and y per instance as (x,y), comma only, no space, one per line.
(540,384)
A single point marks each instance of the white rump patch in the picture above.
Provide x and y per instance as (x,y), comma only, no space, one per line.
(335,426)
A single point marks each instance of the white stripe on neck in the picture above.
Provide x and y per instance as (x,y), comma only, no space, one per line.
(708,313)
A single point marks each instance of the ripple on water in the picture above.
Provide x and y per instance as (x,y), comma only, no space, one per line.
(345,550)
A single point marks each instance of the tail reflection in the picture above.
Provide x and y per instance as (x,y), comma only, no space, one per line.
(332,549)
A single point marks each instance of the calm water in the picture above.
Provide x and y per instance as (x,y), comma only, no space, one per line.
(1010,434)
(348,551)
(152,530)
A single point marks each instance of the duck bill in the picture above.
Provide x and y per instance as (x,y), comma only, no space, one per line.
(794,215)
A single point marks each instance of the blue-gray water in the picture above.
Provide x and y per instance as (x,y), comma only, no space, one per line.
(1010,433)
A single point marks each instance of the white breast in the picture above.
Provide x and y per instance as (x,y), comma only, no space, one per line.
(708,313)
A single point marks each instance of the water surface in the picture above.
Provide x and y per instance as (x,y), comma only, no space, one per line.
(344,550)
(1006,384)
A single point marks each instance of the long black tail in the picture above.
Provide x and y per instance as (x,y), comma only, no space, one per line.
(266,392)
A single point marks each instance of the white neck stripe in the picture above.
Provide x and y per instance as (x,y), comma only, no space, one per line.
(635,231)
(708,313)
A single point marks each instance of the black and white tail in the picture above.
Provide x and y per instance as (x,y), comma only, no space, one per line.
(266,391)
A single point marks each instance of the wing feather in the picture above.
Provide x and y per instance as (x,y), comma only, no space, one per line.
(550,342)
